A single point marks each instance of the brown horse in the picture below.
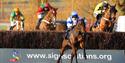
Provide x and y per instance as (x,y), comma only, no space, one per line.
(75,40)
(18,24)
(113,13)
(107,21)
(109,18)
(61,26)
(104,22)
(48,23)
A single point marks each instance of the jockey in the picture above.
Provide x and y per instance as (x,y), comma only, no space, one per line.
(16,15)
(99,9)
(41,12)
(71,22)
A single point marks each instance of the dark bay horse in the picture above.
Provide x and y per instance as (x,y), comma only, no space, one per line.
(107,21)
(48,22)
(76,39)
(113,13)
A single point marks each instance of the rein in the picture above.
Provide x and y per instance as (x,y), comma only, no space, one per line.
(106,19)
(46,21)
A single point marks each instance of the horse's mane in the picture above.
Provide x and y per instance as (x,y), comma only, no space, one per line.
(48,15)
(80,26)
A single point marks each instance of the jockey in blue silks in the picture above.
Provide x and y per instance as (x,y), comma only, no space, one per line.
(72,21)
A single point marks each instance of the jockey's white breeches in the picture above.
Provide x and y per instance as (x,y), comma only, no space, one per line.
(16,23)
(69,26)
(12,23)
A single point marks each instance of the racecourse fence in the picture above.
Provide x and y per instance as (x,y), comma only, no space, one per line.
(48,40)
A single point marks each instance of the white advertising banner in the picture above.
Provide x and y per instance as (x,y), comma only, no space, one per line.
(51,56)
(121,24)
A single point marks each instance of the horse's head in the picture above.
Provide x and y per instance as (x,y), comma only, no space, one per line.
(113,12)
(51,15)
(106,13)
(53,11)
(80,26)
(110,13)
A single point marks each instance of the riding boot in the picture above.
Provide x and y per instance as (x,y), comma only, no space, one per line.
(95,24)
(38,24)
(11,27)
(67,34)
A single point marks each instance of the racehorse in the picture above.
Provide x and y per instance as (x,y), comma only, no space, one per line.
(48,23)
(113,12)
(107,21)
(76,39)
(18,23)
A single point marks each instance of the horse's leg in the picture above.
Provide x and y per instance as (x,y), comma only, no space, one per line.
(110,27)
(85,41)
(106,29)
(74,53)
(44,26)
(90,28)
(22,25)
(64,44)
(17,25)
(82,45)
(84,53)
